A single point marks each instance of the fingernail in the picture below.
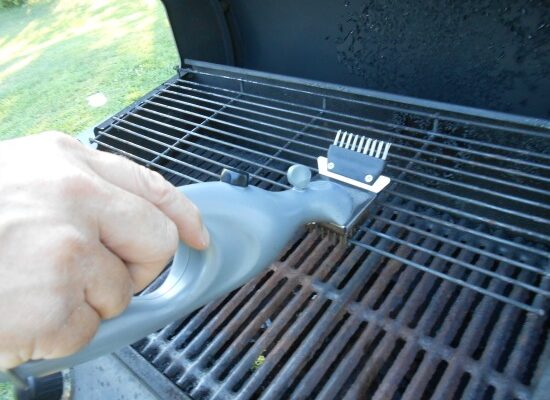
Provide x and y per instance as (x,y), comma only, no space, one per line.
(205,236)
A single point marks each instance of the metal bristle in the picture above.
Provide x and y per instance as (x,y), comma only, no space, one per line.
(337,137)
(386,150)
(362,144)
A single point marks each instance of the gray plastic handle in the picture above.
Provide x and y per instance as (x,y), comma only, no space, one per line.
(248,227)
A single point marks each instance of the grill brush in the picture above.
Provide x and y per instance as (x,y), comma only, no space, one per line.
(249,227)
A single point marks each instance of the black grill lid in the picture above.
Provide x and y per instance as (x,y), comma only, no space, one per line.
(487,54)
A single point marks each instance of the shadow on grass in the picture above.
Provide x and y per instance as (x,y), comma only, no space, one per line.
(119,48)
(15,20)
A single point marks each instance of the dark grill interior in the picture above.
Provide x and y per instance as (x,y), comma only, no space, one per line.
(441,293)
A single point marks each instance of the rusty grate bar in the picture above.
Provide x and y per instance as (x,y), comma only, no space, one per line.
(441,293)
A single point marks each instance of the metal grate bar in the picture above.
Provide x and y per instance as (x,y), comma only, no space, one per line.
(142,160)
(137,146)
(460,282)
(373,363)
(194,155)
(412,350)
(190,143)
(286,104)
(339,124)
(267,286)
(476,329)
(470,338)
(501,333)
(226,133)
(473,187)
(295,136)
(475,202)
(518,246)
(202,123)
(362,275)
(205,137)
(361,125)
(458,262)
(350,99)
(532,329)
(475,217)
(465,246)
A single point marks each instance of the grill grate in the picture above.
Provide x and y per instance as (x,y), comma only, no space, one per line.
(467,210)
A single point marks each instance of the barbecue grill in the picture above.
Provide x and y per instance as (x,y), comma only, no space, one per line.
(441,290)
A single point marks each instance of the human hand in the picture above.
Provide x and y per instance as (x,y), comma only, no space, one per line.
(80,232)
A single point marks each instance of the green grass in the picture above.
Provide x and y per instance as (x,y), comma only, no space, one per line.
(6,391)
(54,54)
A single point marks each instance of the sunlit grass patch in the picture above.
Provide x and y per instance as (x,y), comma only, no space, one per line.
(54,55)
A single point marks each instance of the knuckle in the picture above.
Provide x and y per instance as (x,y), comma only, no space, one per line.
(77,184)
(166,194)
(167,242)
(70,246)
(163,191)
(73,242)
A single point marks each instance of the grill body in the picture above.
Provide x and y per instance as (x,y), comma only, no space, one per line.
(441,293)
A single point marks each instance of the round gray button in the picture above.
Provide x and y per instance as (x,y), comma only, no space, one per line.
(299,176)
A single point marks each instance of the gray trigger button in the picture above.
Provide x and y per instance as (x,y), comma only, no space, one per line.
(234,177)
(298,176)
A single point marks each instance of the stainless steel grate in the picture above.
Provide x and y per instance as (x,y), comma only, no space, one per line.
(443,291)
(451,166)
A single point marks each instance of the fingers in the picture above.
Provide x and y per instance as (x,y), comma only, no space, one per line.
(9,360)
(139,233)
(152,187)
(109,287)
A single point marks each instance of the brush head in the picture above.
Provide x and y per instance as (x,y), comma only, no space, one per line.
(356,160)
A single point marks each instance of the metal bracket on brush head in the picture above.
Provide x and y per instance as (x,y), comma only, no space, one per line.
(357,161)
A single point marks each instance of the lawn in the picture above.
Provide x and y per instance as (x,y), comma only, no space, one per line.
(68,64)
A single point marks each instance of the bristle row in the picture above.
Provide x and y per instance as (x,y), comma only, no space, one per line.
(362,144)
